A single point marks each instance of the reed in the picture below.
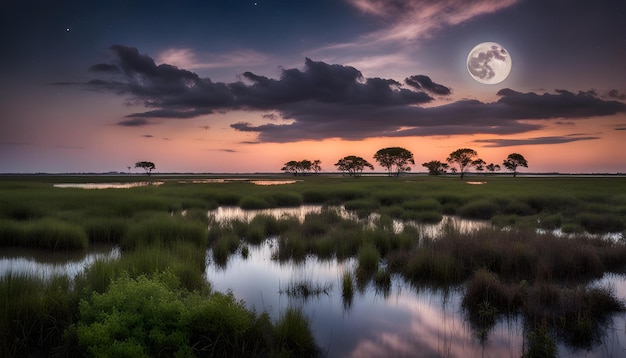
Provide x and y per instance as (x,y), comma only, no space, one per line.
(163,229)
(46,233)
(368,258)
(293,335)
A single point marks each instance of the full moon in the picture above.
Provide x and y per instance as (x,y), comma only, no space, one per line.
(489,63)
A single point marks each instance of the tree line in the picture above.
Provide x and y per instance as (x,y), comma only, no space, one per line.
(398,160)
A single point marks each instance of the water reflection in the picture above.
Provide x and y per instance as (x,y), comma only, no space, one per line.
(46,264)
(227,213)
(403,321)
(108,185)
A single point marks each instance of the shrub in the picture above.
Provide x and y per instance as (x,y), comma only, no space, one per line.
(154,316)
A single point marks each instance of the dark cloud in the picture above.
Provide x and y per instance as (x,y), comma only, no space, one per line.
(177,93)
(616,95)
(424,82)
(135,122)
(563,104)
(533,141)
(620,128)
(148,136)
(170,113)
(335,101)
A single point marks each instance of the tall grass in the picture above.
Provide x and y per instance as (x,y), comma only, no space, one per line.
(50,234)
(293,335)
(164,229)
(34,313)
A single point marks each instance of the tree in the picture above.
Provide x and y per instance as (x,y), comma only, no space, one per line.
(353,165)
(316,166)
(465,159)
(301,167)
(436,167)
(493,167)
(147,166)
(395,156)
(513,161)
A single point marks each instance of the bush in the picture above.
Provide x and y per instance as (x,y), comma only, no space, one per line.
(153,316)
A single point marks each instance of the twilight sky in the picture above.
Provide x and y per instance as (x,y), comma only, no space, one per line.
(245,86)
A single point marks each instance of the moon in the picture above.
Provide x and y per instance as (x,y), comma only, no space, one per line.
(489,63)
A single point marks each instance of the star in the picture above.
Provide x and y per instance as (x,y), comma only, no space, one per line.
(67,29)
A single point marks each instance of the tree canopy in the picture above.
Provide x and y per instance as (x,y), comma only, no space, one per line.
(147,166)
(465,158)
(436,167)
(397,157)
(513,161)
(302,167)
(353,165)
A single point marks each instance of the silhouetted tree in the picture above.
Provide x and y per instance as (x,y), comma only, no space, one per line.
(493,167)
(513,161)
(465,159)
(436,167)
(301,167)
(316,166)
(353,165)
(147,166)
(395,156)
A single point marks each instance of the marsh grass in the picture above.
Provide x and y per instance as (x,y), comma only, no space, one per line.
(163,229)
(293,335)
(513,270)
(106,230)
(46,233)
(33,313)
(305,289)
(577,315)
(368,258)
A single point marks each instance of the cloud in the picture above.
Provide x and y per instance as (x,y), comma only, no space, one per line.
(187,58)
(324,100)
(424,82)
(148,136)
(135,122)
(616,95)
(534,141)
(415,20)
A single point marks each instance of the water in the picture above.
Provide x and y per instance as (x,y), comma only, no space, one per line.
(108,185)
(226,213)
(405,321)
(47,264)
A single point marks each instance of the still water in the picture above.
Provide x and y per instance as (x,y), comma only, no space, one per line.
(46,264)
(404,322)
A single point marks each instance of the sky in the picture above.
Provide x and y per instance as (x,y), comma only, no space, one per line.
(238,86)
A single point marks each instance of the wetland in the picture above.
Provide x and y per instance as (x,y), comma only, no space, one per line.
(365,266)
